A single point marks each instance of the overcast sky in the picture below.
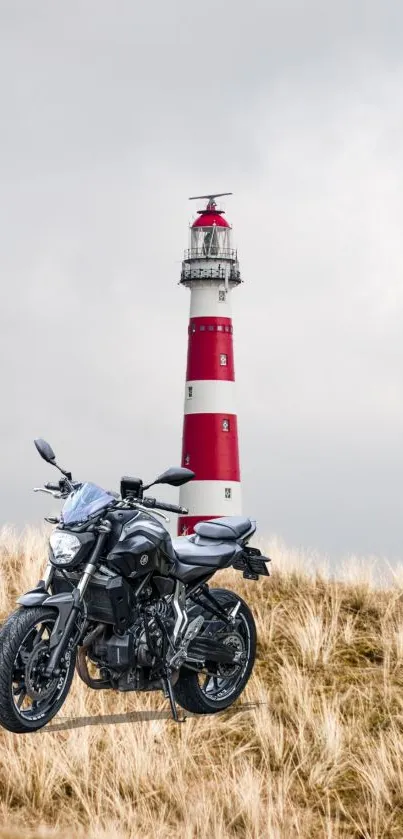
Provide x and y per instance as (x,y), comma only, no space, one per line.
(112,114)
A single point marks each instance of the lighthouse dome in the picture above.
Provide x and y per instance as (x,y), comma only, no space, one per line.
(208,218)
(210,234)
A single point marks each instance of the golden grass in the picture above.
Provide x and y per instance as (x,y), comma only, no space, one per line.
(314,748)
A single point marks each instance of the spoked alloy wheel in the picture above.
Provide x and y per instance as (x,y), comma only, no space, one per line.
(28,698)
(218,685)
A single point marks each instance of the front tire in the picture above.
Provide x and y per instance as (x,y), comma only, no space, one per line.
(198,693)
(28,700)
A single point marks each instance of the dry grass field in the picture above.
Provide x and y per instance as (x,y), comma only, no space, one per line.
(313,749)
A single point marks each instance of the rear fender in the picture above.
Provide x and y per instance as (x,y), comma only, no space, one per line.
(64,604)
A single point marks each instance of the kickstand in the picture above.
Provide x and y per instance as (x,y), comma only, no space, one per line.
(170,695)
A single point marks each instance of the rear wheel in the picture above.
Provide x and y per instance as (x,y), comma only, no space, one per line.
(29,699)
(217,686)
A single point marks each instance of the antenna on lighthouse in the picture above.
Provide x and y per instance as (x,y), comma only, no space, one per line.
(210,198)
(211,204)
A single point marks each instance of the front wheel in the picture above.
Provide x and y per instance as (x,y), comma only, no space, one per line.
(218,685)
(29,699)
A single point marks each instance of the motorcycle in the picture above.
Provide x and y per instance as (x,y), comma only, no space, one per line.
(129,607)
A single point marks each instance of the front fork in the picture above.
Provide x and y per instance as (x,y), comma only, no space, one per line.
(48,576)
(70,610)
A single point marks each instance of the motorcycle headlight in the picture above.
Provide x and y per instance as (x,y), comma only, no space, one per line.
(64,547)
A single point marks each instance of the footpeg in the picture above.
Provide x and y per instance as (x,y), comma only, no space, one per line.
(193,629)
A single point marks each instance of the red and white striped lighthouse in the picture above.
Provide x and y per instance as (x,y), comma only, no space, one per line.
(210,434)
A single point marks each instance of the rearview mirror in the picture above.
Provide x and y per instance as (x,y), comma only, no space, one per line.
(175,476)
(45,450)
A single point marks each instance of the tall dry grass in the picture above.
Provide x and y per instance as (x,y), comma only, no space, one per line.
(313,749)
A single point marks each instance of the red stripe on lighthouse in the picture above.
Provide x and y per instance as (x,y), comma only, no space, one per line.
(208,450)
(207,320)
(187,523)
(210,349)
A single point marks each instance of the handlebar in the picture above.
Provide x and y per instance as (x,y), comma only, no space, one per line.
(162,505)
(151,503)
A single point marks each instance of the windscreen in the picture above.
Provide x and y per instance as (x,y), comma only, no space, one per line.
(84,503)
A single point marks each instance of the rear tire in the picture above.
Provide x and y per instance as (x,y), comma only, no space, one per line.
(190,694)
(23,650)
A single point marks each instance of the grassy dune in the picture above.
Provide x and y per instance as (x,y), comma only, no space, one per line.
(313,749)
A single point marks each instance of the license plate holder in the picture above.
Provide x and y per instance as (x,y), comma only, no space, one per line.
(252,563)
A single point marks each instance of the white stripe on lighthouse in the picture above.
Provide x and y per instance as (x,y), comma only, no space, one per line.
(210,396)
(212,498)
(205,301)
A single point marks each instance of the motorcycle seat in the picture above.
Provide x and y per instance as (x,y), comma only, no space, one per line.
(216,554)
(227,527)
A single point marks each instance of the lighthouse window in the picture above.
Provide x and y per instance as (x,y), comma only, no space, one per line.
(225,425)
(210,327)
(223,359)
(228,492)
(227,328)
(193,327)
(220,328)
(187,459)
(190,392)
(202,328)
(221,296)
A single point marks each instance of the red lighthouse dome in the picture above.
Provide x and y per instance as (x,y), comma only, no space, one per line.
(210,234)
(209,217)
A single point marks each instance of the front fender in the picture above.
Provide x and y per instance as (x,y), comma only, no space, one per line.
(64,603)
(35,597)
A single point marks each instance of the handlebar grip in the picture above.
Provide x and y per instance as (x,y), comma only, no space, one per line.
(53,487)
(171,508)
(163,505)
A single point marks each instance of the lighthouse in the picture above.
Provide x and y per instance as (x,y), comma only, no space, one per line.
(210,432)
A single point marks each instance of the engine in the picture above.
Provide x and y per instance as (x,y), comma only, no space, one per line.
(123,657)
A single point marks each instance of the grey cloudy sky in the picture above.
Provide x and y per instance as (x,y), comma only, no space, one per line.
(111,115)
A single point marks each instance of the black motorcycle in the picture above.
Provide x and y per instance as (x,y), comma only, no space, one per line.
(128,606)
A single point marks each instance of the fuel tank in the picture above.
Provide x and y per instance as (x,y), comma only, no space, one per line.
(140,545)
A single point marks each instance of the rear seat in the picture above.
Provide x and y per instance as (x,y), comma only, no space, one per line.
(228,527)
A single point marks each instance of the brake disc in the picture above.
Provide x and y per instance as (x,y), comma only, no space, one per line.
(235,642)
(36,684)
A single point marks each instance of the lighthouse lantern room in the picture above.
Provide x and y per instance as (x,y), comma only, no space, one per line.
(210,432)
